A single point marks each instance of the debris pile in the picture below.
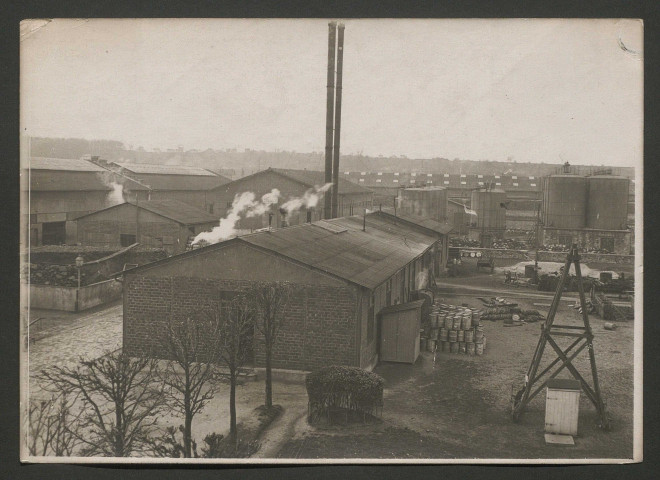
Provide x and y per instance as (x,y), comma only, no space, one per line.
(454,329)
(509,244)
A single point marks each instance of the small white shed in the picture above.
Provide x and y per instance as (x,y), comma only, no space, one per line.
(562,403)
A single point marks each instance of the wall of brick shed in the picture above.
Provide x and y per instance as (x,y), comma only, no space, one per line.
(319,329)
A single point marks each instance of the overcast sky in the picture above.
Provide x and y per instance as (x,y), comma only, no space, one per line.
(533,90)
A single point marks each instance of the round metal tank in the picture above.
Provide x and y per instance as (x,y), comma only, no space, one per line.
(428,202)
(607,202)
(565,201)
(491,215)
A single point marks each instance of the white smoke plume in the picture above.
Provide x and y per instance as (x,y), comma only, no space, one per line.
(243,204)
(116,194)
(309,200)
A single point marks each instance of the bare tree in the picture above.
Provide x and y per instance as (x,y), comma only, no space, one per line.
(237,328)
(52,427)
(121,402)
(191,345)
(270,301)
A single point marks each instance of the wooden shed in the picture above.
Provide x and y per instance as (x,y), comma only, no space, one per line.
(399,332)
(562,404)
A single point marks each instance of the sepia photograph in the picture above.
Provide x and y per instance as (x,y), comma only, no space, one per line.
(281,241)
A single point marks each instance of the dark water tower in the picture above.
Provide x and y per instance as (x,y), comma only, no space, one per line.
(564,201)
(490,207)
(607,204)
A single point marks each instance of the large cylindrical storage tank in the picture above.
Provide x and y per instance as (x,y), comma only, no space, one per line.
(489,205)
(607,202)
(428,202)
(564,201)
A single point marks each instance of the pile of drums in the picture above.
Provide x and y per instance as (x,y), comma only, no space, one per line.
(454,329)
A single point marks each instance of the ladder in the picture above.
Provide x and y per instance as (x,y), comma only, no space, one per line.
(583,338)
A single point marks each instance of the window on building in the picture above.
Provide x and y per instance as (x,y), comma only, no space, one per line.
(515,184)
(396,174)
(565,240)
(370,319)
(309,216)
(463,183)
(362,179)
(607,243)
(532,184)
(378,180)
(380,173)
(446,182)
(413,174)
(125,239)
(395,181)
(446,175)
(429,174)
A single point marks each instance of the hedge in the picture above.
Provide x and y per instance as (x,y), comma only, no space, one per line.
(348,388)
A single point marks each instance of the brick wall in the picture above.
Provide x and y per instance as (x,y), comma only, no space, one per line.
(320,327)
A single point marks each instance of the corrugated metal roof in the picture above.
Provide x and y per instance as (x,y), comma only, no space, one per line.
(312,178)
(172,177)
(67,181)
(165,169)
(174,210)
(367,258)
(64,164)
(428,223)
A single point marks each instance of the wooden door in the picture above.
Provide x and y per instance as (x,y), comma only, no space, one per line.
(389,338)
(407,336)
(561,411)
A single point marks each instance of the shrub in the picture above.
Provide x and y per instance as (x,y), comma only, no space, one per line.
(349,388)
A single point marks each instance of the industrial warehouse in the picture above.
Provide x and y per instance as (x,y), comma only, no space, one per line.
(266,305)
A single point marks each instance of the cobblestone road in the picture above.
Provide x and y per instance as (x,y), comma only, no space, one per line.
(63,343)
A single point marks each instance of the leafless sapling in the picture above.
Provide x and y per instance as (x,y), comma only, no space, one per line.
(53,426)
(191,345)
(121,402)
(237,327)
(269,301)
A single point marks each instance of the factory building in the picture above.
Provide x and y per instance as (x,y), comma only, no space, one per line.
(190,185)
(167,224)
(352,199)
(343,273)
(59,190)
(591,211)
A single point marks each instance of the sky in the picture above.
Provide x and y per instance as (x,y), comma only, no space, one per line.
(527,90)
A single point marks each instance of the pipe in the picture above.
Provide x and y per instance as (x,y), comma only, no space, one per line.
(329,119)
(335,159)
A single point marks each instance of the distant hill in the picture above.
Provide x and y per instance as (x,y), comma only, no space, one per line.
(236,164)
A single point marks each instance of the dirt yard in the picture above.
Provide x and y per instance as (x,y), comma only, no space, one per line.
(459,406)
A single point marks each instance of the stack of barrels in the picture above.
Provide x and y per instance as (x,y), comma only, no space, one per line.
(454,329)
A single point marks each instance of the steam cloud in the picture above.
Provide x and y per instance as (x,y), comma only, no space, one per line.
(244,204)
(309,200)
(116,194)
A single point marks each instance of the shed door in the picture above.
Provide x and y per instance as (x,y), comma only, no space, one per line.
(400,336)
(389,337)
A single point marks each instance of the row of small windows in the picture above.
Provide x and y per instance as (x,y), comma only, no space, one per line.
(462,175)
